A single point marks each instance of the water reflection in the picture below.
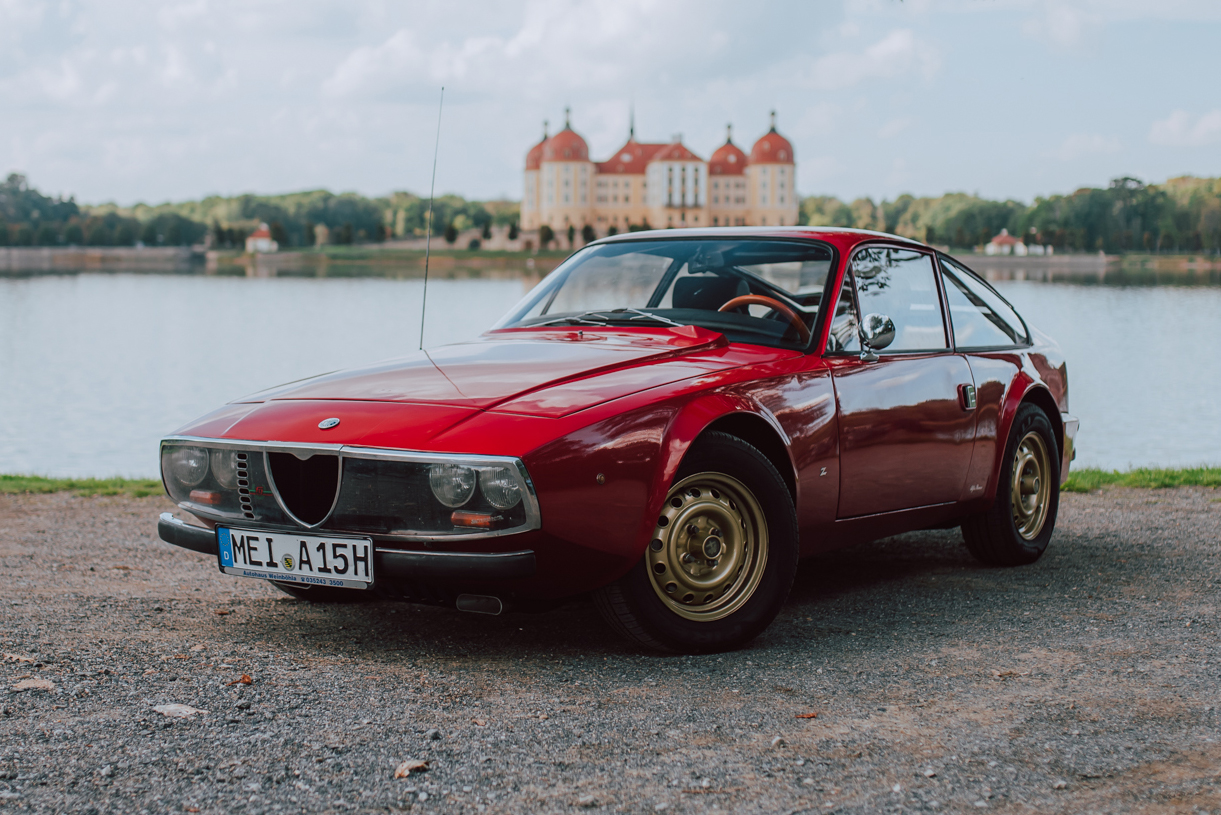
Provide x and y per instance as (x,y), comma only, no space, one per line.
(96,367)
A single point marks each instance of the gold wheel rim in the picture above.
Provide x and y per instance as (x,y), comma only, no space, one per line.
(709,548)
(1030,485)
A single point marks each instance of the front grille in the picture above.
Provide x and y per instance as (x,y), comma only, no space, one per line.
(307,487)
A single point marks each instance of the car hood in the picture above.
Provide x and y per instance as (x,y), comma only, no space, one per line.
(549,373)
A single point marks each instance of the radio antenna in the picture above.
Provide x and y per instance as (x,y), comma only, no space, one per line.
(428,239)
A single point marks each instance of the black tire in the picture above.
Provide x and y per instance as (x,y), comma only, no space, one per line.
(633,605)
(993,536)
(322,594)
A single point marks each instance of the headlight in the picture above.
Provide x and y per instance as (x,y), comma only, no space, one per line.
(499,486)
(452,484)
(189,465)
(224,468)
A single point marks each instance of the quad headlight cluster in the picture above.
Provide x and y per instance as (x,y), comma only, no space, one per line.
(454,485)
(189,466)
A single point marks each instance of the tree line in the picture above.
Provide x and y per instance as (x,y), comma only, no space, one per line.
(29,218)
(1181,215)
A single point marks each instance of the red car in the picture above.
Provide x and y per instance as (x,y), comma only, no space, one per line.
(667,422)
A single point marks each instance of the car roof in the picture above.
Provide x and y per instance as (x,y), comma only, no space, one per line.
(842,236)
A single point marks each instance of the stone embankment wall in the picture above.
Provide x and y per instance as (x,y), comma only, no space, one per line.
(81,258)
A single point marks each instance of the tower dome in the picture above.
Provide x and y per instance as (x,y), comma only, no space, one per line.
(535,156)
(728,159)
(772,148)
(565,145)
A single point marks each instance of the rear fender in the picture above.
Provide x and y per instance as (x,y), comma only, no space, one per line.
(1023,390)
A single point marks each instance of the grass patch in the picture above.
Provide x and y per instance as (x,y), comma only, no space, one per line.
(135,487)
(1084,480)
(1091,480)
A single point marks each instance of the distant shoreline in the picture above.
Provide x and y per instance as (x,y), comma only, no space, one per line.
(1131,269)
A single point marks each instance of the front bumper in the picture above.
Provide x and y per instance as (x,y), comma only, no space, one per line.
(388,564)
(1069,423)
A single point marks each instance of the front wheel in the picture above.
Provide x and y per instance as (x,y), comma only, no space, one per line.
(1017,528)
(722,557)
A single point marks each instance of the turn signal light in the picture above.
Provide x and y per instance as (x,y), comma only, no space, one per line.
(475,520)
(205,497)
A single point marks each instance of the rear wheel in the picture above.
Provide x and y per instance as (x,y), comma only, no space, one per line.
(1019,525)
(722,557)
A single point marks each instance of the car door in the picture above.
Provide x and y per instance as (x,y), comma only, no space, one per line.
(906,420)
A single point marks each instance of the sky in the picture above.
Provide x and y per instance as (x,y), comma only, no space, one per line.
(131,101)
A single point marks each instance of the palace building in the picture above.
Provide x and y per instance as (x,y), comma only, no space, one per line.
(658,185)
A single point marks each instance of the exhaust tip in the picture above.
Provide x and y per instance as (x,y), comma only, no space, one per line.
(480,604)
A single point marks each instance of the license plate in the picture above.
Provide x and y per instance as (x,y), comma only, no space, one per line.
(306,559)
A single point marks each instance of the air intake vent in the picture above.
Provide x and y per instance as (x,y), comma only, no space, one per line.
(307,488)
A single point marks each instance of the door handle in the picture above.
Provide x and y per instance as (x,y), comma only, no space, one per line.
(966,396)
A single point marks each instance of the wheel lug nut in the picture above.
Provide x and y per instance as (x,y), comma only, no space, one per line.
(716,533)
(687,558)
(692,529)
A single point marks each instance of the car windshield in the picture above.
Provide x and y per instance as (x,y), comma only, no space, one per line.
(758,291)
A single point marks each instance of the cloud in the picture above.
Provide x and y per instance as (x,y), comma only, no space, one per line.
(894,127)
(1079,145)
(898,53)
(1180,130)
(1060,24)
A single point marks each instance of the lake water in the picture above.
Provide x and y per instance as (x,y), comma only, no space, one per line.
(95,368)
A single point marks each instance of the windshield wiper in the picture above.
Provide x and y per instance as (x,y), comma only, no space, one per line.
(602,318)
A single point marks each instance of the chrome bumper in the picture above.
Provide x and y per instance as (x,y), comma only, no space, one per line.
(1070,451)
(389,564)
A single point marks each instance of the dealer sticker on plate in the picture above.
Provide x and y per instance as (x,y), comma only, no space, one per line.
(305,559)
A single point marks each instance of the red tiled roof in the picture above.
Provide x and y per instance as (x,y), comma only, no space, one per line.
(261,232)
(675,152)
(630,159)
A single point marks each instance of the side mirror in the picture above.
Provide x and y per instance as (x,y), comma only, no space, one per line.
(877,332)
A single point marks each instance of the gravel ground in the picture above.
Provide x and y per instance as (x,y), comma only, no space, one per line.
(1084,683)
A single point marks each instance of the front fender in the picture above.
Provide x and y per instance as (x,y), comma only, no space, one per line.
(601,488)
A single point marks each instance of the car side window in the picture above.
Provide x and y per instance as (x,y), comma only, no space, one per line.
(980,318)
(901,284)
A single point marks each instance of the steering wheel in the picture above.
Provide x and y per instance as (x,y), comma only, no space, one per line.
(759,300)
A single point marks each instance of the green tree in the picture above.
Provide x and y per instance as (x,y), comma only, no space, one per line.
(451,233)
(4,234)
(487,230)
(125,234)
(47,235)
(73,234)
(98,235)
(24,236)
(572,236)
(279,234)
(513,233)
(612,230)
(588,234)
(149,236)
(545,236)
